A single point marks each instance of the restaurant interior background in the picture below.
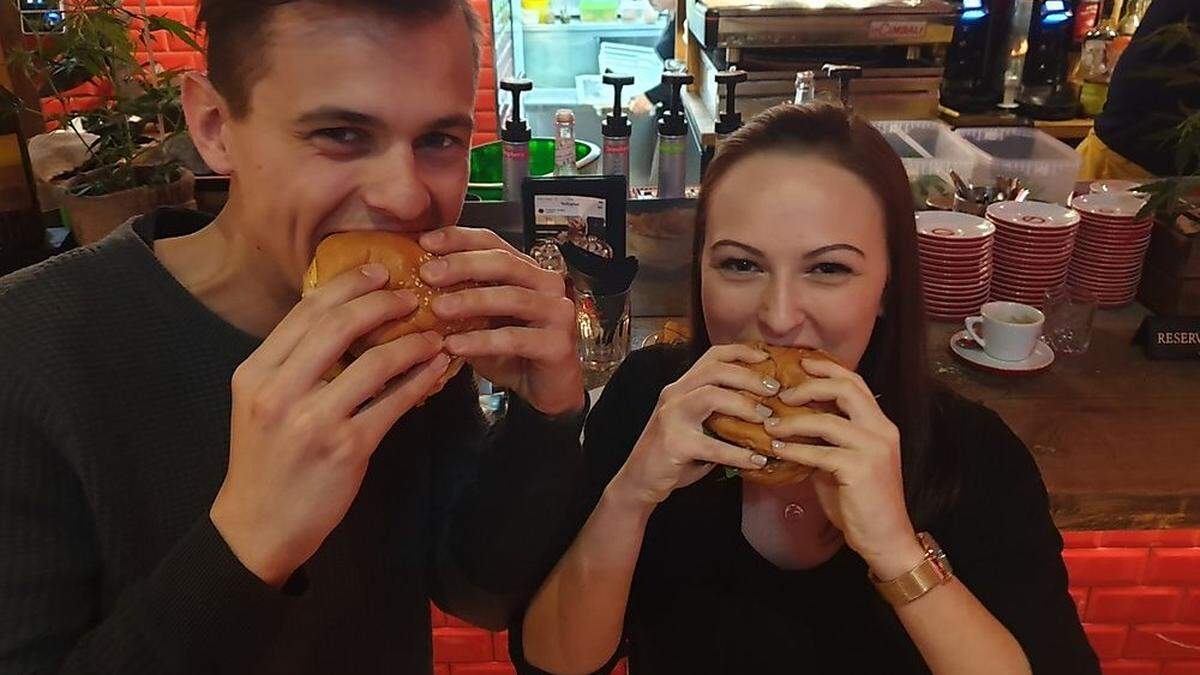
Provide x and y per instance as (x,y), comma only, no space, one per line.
(1125,490)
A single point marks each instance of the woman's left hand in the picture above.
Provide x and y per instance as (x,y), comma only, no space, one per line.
(858,481)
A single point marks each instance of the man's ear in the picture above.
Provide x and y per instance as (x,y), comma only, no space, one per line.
(208,120)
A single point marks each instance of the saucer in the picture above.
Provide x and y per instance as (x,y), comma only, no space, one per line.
(1039,360)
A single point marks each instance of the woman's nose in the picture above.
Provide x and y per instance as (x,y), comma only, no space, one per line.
(781,310)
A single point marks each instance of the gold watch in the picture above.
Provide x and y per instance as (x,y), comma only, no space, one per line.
(932,572)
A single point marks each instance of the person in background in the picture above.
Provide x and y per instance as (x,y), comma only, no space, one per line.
(180,492)
(1130,138)
(805,237)
(646,103)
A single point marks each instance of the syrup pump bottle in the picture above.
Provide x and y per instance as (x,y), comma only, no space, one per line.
(616,130)
(729,120)
(673,139)
(515,137)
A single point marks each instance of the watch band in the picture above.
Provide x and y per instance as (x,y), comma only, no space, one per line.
(930,573)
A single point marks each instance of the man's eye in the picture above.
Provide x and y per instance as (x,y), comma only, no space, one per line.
(739,265)
(343,136)
(440,142)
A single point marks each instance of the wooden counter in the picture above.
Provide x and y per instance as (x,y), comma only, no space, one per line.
(1117,436)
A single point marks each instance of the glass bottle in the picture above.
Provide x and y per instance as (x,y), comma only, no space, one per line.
(806,91)
(564,143)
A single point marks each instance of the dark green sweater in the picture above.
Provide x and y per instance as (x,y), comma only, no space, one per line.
(114,434)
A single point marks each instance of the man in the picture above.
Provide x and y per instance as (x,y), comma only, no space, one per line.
(179,490)
(660,94)
(1136,133)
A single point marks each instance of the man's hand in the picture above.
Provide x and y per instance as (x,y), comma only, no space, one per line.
(532,350)
(641,106)
(299,447)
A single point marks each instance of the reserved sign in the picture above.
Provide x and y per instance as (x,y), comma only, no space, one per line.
(1170,337)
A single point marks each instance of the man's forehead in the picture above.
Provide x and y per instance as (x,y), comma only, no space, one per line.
(320,57)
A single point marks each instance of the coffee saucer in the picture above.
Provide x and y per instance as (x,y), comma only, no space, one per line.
(966,349)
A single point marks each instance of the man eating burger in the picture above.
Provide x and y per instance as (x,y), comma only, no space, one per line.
(239,444)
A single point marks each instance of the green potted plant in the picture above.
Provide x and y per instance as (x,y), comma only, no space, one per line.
(133,136)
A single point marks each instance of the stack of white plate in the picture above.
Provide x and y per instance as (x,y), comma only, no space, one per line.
(1034,242)
(956,263)
(1111,246)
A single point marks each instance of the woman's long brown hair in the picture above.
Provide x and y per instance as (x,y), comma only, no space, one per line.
(895,364)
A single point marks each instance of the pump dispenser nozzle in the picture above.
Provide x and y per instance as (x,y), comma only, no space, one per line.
(617,125)
(673,122)
(515,137)
(672,139)
(515,129)
(730,120)
(616,130)
(843,74)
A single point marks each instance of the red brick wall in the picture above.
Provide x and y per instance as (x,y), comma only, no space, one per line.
(174,53)
(1139,596)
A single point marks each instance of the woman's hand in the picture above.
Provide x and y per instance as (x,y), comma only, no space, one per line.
(673,450)
(858,481)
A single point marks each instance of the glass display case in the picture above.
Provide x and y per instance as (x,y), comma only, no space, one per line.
(564,47)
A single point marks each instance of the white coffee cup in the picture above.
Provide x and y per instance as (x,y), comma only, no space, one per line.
(1010,330)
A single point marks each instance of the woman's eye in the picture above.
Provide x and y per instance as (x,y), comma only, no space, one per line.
(829,268)
(739,265)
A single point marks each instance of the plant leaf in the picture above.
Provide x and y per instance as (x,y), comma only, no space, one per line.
(179,30)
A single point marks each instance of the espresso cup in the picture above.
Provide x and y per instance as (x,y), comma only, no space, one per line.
(1010,330)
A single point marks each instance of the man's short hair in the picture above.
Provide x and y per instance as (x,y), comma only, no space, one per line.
(236,33)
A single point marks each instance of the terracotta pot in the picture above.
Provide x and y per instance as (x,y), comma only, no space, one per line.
(93,218)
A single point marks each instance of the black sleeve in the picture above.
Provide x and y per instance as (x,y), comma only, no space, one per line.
(660,93)
(613,428)
(200,610)
(502,497)
(1005,548)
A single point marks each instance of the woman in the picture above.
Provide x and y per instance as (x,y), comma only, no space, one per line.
(805,237)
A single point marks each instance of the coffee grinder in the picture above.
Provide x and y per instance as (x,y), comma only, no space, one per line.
(974,77)
(1046,93)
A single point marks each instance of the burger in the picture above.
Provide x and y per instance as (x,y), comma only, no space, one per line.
(402,256)
(783,365)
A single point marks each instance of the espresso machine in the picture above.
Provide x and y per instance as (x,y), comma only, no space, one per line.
(1046,92)
(974,76)
(898,45)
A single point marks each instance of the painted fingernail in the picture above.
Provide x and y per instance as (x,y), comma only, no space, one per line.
(759,460)
(374,272)
(772,422)
(777,445)
(771,384)
(764,412)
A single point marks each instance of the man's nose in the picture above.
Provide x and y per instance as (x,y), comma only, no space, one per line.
(394,188)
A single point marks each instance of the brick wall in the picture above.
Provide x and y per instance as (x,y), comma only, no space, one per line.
(1139,596)
(174,53)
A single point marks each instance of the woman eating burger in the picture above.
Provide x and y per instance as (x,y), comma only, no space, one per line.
(790,492)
